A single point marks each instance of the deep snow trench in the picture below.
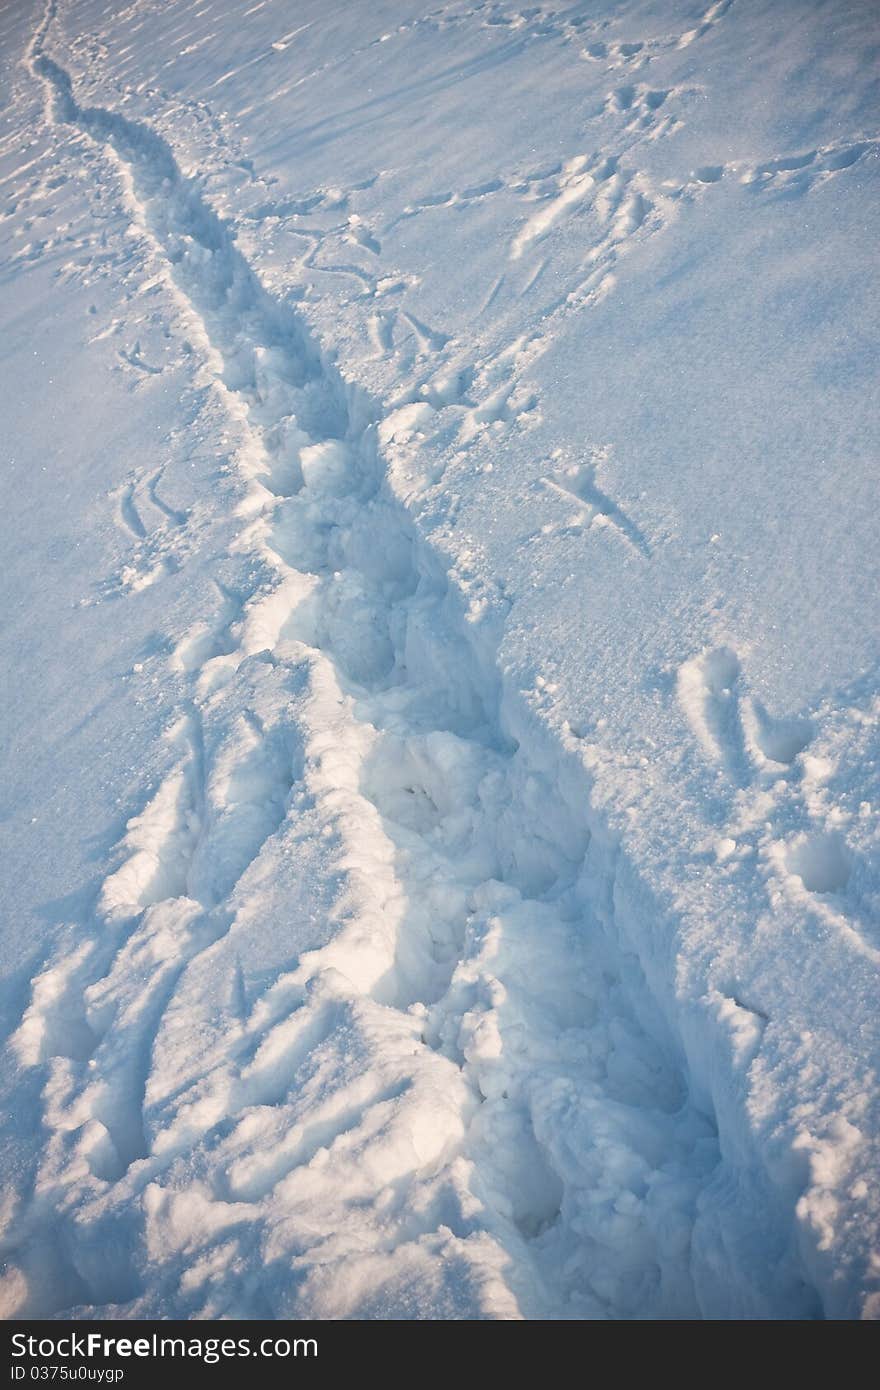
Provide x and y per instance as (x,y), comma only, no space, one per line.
(464,1098)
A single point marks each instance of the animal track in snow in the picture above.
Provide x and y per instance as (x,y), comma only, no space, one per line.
(134,358)
(160,841)
(497,396)
(360,235)
(209,640)
(398,333)
(779,740)
(577,181)
(638,53)
(792,175)
(143,510)
(578,481)
(806,837)
(251,771)
(708,693)
(643,110)
(820,861)
(735,730)
(129,514)
(821,858)
(155,528)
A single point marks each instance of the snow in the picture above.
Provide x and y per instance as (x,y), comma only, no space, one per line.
(441,707)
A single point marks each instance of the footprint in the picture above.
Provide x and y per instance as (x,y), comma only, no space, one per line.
(708,691)
(743,1023)
(257,1174)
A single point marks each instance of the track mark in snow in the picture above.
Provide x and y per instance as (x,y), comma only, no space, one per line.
(282,1150)
(708,691)
(177,518)
(360,235)
(636,54)
(134,358)
(620,207)
(382,333)
(578,481)
(814,839)
(428,339)
(744,1024)
(576,182)
(156,530)
(707,22)
(820,861)
(160,841)
(790,176)
(643,110)
(778,740)
(129,514)
(497,397)
(245,799)
(55,1022)
(206,641)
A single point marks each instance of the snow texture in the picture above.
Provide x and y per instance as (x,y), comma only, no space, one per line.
(440,659)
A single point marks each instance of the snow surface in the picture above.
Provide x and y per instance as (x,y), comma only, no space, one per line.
(440,659)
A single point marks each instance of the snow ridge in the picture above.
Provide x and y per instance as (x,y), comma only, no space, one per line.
(453,1094)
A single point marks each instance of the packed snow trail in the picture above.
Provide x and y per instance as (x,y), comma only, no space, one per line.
(442,1086)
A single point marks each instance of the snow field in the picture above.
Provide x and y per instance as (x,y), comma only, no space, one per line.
(377,1017)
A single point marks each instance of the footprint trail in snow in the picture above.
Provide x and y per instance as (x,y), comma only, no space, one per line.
(356,1033)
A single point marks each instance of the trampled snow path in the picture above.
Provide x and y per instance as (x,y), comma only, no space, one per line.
(462,1098)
